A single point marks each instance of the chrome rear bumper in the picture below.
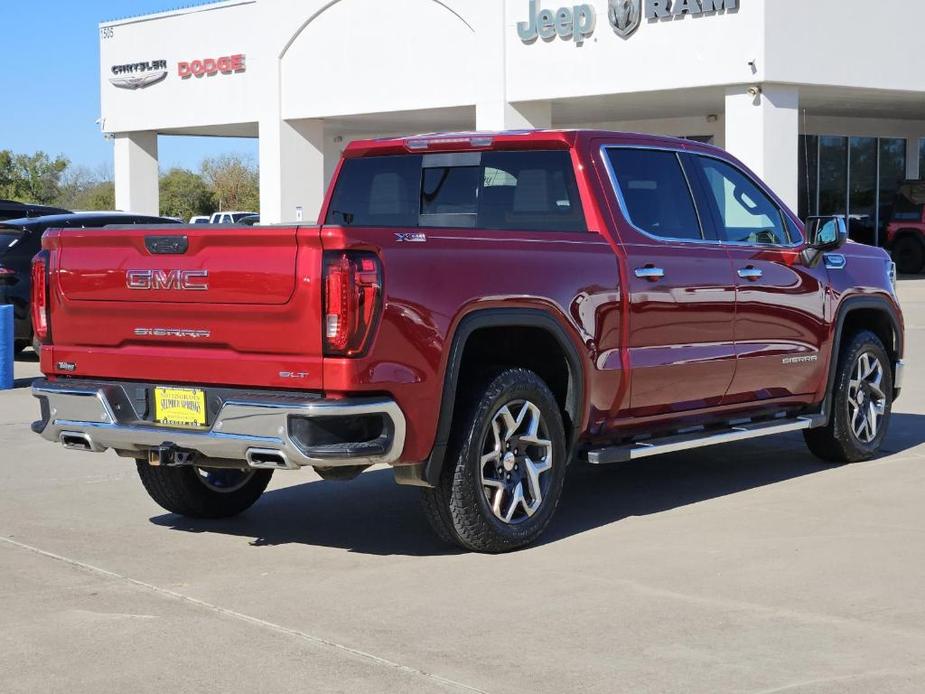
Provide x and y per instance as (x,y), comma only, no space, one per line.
(255,431)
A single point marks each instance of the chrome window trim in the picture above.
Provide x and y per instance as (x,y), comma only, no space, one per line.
(621,201)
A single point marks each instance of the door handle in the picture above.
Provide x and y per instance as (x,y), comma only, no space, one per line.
(650,272)
(750,273)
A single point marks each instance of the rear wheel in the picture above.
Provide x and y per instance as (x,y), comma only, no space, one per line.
(505,467)
(909,254)
(861,404)
(199,492)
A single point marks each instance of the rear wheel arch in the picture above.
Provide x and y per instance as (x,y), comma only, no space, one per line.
(554,357)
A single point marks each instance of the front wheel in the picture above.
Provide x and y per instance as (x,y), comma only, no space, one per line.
(909,254)
(198,492)
(505,467)
(861,404)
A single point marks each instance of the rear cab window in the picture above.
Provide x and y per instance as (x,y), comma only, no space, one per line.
(533,190)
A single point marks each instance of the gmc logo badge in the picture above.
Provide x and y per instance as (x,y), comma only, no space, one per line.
(155,280)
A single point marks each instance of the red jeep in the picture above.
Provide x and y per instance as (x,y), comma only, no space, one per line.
(475,310)
(905,234)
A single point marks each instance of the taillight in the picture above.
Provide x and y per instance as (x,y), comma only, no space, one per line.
(352,301)
(40,297)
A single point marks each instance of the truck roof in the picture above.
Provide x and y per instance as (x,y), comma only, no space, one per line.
(503,139)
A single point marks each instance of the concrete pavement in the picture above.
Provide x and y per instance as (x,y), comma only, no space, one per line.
(749,568)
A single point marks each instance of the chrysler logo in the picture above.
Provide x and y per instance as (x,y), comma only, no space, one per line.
(154,280)
(139,75)
(625,16)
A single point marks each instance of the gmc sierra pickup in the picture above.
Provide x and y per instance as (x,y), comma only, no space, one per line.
(476,310)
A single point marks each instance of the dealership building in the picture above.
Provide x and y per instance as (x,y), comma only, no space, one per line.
(825,99)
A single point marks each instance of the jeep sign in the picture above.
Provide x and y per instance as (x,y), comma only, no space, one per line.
(577,23)
(568,23)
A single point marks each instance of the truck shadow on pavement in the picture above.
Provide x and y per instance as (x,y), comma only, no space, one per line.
(372,515)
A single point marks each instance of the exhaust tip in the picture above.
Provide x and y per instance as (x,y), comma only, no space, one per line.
(269,459)
(77,441)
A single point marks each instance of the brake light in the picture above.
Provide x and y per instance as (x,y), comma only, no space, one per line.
(474,141)
(40,297)
(352,301)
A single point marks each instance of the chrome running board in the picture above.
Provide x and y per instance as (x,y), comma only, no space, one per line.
(700,439)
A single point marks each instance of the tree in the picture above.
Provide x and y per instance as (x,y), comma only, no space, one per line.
(99,196)
(84,189)
(31,177)
(235,182)
(185,194)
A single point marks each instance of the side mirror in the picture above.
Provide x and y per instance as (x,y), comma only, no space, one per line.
(826,233)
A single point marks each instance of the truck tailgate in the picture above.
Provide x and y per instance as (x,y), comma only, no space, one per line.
(222,306)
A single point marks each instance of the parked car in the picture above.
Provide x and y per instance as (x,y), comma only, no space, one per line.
(21,239)
(10,209)
(200,219)
(250,220)
(230,217)
(906,231)
(476,311)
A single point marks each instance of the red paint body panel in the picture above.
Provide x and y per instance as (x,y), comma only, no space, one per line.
(699,344)
(779,316)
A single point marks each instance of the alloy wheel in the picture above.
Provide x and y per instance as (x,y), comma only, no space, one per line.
(516,457)
(866,399)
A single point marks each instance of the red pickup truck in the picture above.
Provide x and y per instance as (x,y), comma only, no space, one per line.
(476,310)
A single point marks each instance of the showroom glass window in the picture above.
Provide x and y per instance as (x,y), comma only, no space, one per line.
(809,176)
(646,180)
(892,176)
(854,176)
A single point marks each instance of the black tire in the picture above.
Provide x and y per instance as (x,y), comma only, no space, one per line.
(838,442)
(182,490)
(19,346)
(909,255)
(458,508)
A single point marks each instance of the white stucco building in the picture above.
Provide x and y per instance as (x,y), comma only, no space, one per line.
(823,98)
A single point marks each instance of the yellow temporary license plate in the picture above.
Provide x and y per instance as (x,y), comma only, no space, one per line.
(180,407)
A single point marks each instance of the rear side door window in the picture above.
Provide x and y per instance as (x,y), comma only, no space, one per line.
(654,193)
(742,213)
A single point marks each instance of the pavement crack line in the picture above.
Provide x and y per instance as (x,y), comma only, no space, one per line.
(256,621)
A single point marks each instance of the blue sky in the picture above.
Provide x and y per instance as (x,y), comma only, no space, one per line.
(49,83)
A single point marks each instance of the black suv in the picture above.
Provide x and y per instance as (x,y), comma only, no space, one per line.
(21,239)
(10,209)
